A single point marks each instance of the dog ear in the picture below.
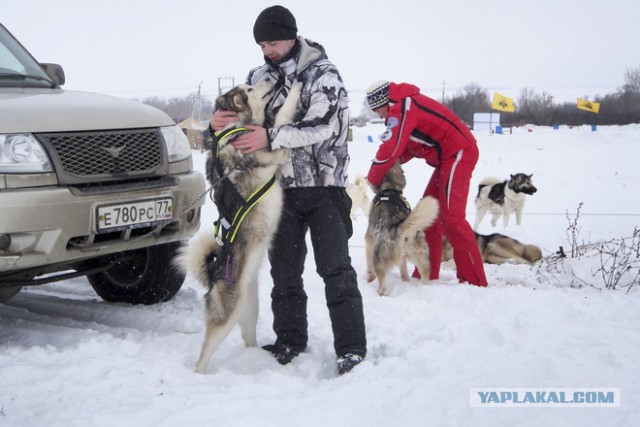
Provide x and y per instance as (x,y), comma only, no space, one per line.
(227,101)
(238,101)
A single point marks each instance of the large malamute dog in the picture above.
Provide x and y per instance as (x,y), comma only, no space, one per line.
(501,198)
(395,232)
(499,249)
(249,202)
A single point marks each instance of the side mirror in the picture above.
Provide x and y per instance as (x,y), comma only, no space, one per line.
(54,71)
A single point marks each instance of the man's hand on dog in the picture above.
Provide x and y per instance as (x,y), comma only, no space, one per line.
(221,119)
(373,187)
(248,142)
(255,139)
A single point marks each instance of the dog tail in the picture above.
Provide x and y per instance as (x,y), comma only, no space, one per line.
(421,217)
(193,258)
(532,253)
(487,181)
(490,180)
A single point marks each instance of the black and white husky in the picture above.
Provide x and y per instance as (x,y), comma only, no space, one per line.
(395,232)
(502,198)
(249,201)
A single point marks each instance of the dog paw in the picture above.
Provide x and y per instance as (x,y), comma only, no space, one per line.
(370,277)
(201,368)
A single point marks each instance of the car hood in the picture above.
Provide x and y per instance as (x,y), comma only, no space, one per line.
(57,110)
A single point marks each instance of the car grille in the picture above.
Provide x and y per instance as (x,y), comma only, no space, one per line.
(104,155)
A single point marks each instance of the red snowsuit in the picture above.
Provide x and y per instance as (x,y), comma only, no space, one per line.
(418,126)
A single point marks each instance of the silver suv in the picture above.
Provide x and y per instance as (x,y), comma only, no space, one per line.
(90,185)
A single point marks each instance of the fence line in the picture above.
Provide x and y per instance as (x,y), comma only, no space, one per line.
(565,214)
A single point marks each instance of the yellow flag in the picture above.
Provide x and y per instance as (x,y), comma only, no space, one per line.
(502,103)
(586,105)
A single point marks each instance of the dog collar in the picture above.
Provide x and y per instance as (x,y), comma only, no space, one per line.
(390,195)
(221,136)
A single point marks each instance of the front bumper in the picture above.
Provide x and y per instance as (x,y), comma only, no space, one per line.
(52,225)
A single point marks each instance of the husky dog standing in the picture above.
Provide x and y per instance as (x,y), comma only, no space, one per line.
(249,201)
(358,191)
(502,198)
(499,249)
(395,232)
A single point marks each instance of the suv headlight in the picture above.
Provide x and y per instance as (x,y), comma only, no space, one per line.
(22,153)
(177,143)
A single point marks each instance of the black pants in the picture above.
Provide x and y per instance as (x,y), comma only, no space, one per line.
(324,211)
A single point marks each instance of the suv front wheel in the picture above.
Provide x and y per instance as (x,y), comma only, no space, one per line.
(141,276)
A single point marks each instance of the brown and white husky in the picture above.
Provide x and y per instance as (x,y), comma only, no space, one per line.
(227,263)
(395,232)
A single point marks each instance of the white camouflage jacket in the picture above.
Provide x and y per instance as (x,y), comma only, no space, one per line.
(318,136)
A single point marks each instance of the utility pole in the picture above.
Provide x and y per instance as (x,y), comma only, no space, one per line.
(221,86)
(197,104)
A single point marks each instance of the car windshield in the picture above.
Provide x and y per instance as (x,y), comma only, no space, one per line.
(17,67)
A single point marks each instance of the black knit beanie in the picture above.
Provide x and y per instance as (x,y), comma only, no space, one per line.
(275,23)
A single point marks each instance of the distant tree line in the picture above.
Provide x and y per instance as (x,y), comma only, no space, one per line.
(620,108)
(179,109)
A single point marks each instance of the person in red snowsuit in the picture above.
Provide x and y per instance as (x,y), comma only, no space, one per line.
(421,127)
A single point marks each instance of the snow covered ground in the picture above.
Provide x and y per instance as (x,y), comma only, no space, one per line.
(69,359)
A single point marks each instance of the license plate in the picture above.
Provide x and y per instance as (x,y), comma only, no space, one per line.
(134,214)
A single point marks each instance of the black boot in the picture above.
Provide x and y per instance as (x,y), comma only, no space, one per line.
(283,353)
(347,362)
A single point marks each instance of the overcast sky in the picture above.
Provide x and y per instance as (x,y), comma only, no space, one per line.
(142,48)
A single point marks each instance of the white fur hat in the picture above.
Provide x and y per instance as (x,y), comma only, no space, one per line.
(378,94)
